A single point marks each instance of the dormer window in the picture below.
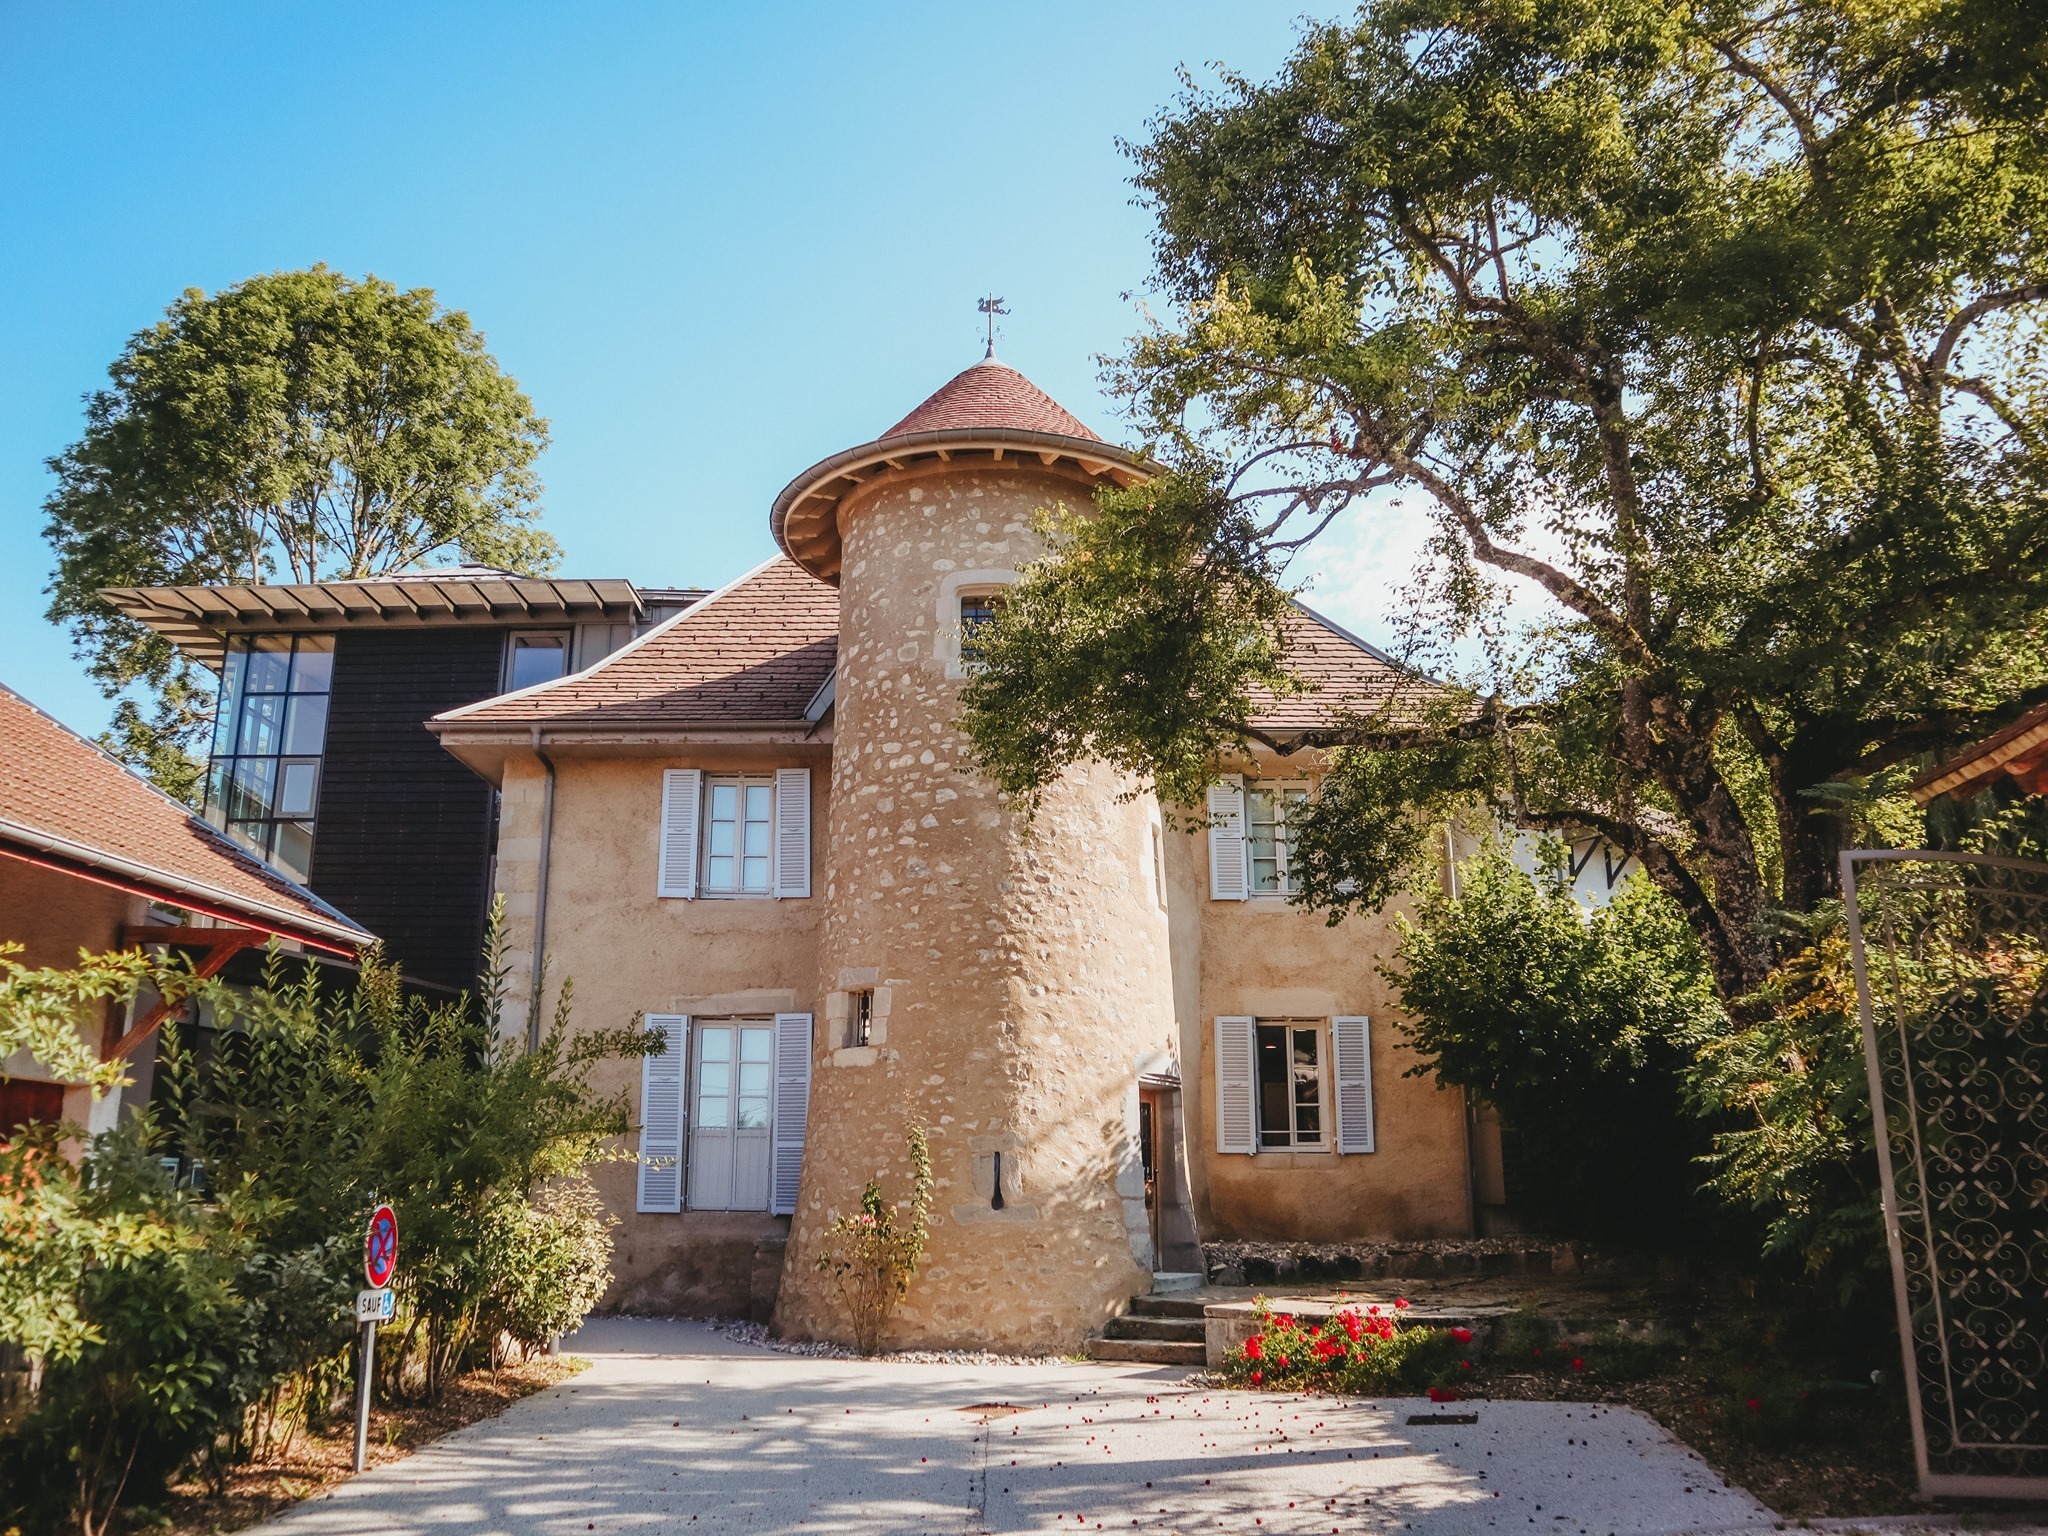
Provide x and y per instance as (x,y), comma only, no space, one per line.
(270,732)
(532,657)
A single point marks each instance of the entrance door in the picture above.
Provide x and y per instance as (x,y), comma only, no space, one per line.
(1175,1247)
(729,1150)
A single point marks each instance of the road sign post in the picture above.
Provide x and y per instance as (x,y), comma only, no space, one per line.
(374,1306)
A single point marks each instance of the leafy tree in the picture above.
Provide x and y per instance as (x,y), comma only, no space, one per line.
(1577,1027)
(1717,323)
(55,1012)
(298,426)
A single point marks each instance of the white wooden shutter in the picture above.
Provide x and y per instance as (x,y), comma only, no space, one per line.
(1351,1045)
(682,794)
(1229,879)
(792,832)
(1237,1121)
(662,1081)
(792,1109)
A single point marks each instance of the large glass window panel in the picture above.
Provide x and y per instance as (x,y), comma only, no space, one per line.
(305,724)
(270,664)
(262,724)
(254,790)
(294,851)
(271,730)
(1266,814)
(1290,1085)
(1308,1083)
(313,664)
(297,786)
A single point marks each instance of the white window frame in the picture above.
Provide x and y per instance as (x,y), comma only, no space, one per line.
(1325,1105)
(1286,882)
(739,783)
(953,586)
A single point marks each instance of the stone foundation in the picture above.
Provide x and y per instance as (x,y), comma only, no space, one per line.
(710,1264)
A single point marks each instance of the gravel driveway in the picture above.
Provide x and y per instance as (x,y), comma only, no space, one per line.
(678,1428)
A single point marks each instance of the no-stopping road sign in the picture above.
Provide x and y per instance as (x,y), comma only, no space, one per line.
(380,1248)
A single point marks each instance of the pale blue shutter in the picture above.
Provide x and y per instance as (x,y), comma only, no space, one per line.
(792,1109)
(1229,879)
(662,1081)
(1237,1123)
(682,793)
(1351,1046)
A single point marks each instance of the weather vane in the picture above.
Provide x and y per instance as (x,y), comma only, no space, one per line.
(992,306)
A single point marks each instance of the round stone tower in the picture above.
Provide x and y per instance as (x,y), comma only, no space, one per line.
(1005,986)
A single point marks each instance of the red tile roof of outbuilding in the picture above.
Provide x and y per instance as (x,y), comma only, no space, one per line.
(65,801)
(755,652)
(990,394)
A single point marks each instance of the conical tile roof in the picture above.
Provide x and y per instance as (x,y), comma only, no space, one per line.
(991,395)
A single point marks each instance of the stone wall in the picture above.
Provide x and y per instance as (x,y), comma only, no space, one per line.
(1022,971)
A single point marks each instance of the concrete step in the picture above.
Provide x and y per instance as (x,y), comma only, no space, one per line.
(1184,1330)
(1166,1306)
(1164,1280)
(1148,1351)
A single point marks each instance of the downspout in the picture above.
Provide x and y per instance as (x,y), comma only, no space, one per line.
(540,892)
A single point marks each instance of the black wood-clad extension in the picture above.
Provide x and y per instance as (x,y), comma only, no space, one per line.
(402,840)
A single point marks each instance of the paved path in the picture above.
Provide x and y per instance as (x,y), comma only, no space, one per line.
(676,1428)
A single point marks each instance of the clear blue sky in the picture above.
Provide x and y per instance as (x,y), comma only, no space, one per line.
(713,242)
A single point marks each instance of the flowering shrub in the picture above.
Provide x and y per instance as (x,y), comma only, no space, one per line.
(871,1258)
(1355,1349)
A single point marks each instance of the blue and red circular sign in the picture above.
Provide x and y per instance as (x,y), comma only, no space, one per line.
(380,1247)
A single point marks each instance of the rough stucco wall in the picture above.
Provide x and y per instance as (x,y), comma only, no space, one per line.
(1268,959)
(630,951)
(1026,977)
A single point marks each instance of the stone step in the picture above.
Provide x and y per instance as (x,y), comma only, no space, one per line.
(1185,1330)
(1148,1351)
(1164,1280)
(1167,1306)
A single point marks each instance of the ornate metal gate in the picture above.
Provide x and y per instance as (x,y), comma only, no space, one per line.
(1951,961)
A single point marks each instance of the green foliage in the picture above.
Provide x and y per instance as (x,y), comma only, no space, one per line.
(872,1254)
(296,426)
(1152,632)
(178,1330)
(55,1013)
(1718,326)
(1576,1026)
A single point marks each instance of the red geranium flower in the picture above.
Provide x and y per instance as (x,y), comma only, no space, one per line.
(1255,1346)
(1462,1335)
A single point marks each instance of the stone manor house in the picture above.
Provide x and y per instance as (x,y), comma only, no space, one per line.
(746,818)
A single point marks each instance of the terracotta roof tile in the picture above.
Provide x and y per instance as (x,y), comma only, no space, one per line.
(56,785)
(757,651)
(991,394)
(1345,674)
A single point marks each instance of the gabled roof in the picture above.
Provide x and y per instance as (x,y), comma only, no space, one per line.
(1345,675)
(761,652)
(753,653)
(991,395)
(65,802)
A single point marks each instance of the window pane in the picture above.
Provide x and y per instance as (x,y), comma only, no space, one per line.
(305,728)
(254,789)
(262,724)
(252,835)
(1275,1092)
(718,1045)
(753,1114)
(755,874)
(538,659)
(754,1045)
(1308,1115)
(227,708)
(217,791)
(270,664)
(294,849)
(714,1096)
(718,874)
(1262,838)
(313,664)
(297,783)
(760,797)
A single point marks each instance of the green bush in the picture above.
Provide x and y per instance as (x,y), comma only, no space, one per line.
(1577,1027)
(180,1330)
